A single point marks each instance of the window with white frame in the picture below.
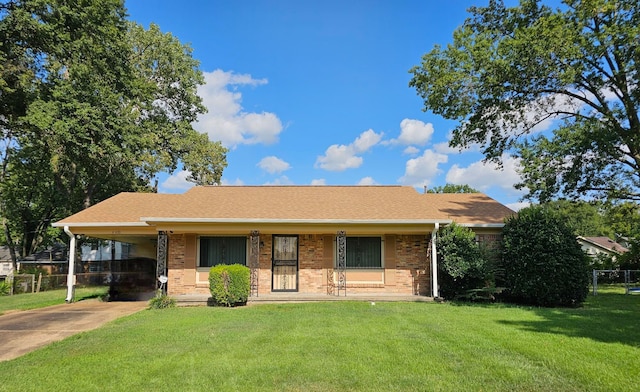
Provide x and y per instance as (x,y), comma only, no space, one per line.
(364,252)
(222,250)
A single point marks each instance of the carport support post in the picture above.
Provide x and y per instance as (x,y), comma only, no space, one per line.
(434,260)
(71,277)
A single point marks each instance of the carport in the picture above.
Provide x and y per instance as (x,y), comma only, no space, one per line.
(131,278)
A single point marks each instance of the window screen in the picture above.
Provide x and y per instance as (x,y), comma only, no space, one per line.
(222,250)
(364,252)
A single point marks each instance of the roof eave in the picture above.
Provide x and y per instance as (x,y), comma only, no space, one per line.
(154,220)
(99,224)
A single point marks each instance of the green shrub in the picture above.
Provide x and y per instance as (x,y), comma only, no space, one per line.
(542,261)
(5,288)
(229,284)
(463,265)
(161,301)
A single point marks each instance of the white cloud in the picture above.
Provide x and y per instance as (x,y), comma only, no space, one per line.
(414,132)
(411,150)
(339,157)
(319,181)
(421,170)
(177,182)
(367,181)
(273,165)
(226,120)
(366,140)
(482,175)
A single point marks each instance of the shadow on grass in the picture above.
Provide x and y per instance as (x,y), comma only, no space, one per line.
(609,318)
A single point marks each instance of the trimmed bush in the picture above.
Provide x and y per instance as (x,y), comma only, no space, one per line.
(465,268)
(542,261)
(230,284)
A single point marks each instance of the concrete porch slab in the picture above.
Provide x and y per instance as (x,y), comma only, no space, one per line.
(201,300)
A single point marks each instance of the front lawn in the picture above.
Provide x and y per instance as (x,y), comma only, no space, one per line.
(46,298)
(353,346)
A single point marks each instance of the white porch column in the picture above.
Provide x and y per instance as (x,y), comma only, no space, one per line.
(71,277)
(434,261)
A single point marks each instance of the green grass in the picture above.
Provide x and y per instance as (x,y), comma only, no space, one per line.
(46,298)
(352,346)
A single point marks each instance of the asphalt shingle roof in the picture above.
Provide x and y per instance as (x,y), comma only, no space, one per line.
(308,203)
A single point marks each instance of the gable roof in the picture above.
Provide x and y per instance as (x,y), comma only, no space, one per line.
(604,243)
(221,204)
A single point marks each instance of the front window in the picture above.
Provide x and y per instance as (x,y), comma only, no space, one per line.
(222,250)
(364,252)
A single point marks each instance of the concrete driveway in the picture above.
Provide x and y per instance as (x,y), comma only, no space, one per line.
(25,331)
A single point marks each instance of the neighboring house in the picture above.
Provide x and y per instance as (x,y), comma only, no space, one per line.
(53,260)
(305,239)
(595,246)
(6,266)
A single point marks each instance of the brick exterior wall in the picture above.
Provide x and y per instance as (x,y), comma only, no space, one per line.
(175,265)
(407,266)
(413,272)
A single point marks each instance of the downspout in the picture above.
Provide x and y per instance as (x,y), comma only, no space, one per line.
(71,277)
(434,261)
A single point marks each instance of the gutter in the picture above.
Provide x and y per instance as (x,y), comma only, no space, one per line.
(294,221)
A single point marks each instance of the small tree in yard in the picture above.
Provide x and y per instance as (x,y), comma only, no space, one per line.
(542,261)
(464,265)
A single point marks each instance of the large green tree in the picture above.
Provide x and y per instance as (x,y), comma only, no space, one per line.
(91,105)
(512,71)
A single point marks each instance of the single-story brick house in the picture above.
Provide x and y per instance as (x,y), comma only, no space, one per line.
(301,239)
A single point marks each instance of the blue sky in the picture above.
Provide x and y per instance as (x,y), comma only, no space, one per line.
(316,92)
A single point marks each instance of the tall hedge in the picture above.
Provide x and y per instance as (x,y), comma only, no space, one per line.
(462,266)
(543,263)
(229,284)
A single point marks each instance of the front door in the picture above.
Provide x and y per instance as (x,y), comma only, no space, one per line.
(285,263)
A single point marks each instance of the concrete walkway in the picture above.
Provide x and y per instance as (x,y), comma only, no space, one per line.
(25,331)
(200,300)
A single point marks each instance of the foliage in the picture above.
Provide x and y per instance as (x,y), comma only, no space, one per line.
(603,261)
(452,188)
(511,72)
(90,105)
(583,218)
(229,284)
(162,301)
(631,259)
(5,287)
(543,263)
(623,219)
(463,265)
(597,218)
